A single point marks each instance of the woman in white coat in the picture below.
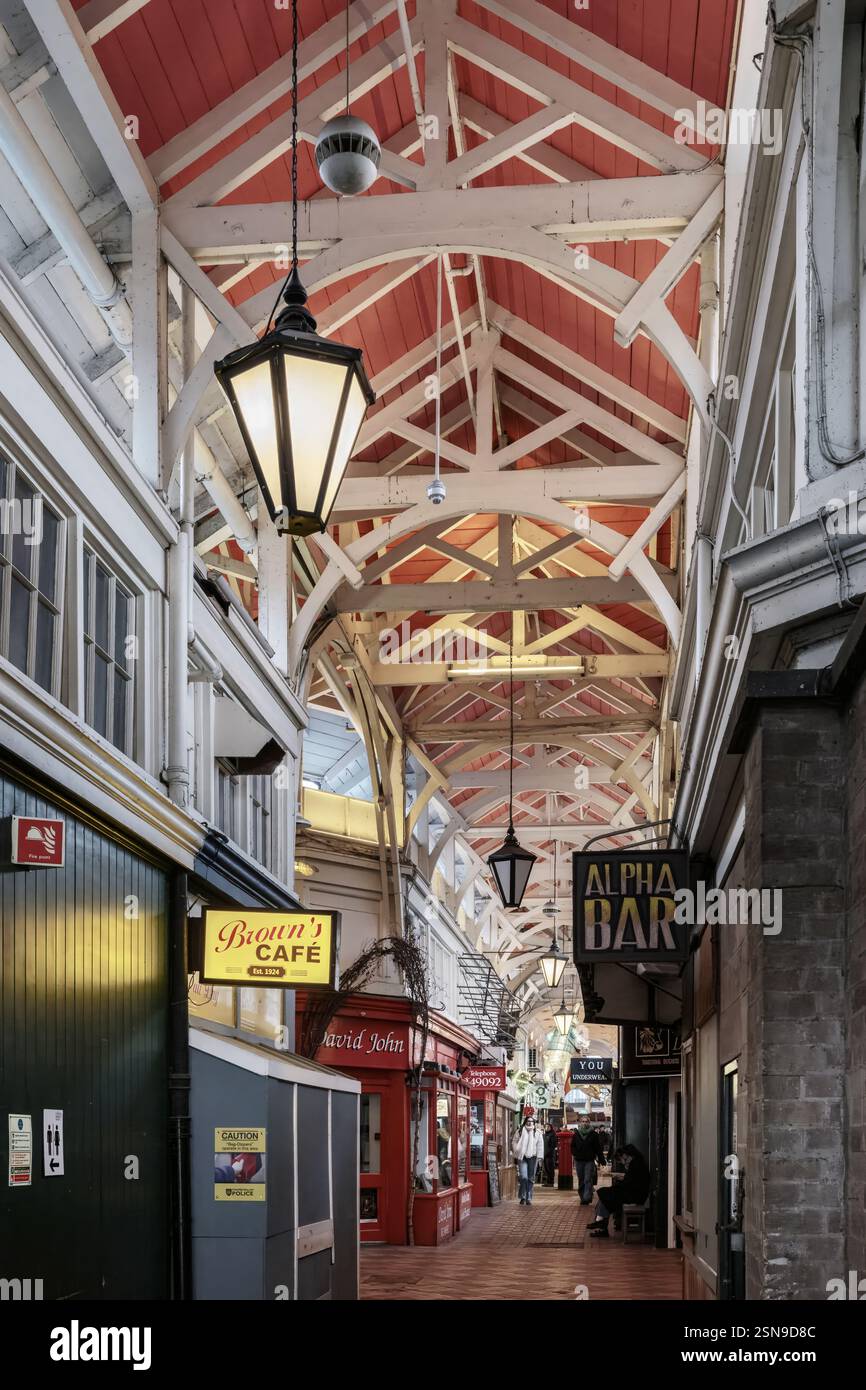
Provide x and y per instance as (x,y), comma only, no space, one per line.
(527,1147)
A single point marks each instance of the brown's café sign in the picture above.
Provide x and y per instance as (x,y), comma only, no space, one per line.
(292,950)
(625,905)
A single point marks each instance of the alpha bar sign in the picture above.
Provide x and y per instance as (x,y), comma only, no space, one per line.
(625,905)
(292,950)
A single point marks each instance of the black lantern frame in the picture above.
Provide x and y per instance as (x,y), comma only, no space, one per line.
(294,336)
(511,864)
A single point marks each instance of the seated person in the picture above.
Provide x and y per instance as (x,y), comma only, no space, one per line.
(632,1190)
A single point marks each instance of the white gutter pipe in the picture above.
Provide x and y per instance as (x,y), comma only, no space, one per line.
(43,187)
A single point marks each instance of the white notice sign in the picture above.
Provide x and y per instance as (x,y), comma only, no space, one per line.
(20,1151)
(52,1143)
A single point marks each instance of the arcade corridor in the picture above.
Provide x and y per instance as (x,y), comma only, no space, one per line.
(514,1253)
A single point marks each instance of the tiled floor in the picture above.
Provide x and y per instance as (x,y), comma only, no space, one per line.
(514,1252)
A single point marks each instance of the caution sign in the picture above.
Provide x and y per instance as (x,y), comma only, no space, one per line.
(20,1151)
(239,1164)
(291,950)
(625,905)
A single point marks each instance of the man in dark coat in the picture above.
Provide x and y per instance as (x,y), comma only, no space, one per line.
(551,1154)
(586,1153)
(632,1190)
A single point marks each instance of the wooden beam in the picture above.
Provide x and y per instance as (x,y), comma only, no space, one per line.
(412,672)
(66,41)
(539,731)
(485,596)
(579,44)
(622,206)
(604,119)
(101,17)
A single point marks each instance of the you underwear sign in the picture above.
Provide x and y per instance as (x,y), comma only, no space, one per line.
(625,906)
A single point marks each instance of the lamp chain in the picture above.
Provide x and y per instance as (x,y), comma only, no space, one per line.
(347,57)
(294,264)
(436,457)
(294,134)
(511,725)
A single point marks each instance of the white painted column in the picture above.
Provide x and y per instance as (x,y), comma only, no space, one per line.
(274,580)
(148,346)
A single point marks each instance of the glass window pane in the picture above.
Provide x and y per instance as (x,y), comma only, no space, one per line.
(19,624)
(443,1138)
(476,1134)
(314,391)
(88,565)
(371,1124)
(4,475)
(353,415)
(48,554)
(121,702)
(256,401)
(100,607)
(261,1012)
(424,1167)
(122,615)
(22,523)
(45,628)
(100,694)
(462,1137)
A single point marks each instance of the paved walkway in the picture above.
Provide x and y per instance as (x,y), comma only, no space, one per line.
(514,1252)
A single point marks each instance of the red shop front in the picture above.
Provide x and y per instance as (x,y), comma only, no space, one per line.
(373,1040)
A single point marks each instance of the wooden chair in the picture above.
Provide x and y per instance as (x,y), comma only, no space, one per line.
(634,1217)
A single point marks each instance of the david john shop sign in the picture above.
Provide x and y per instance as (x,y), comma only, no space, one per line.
(346,1043)
(625,906)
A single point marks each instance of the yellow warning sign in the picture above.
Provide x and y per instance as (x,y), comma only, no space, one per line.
(239,1164)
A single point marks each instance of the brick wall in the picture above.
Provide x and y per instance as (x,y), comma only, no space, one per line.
(856,986)
(795,791)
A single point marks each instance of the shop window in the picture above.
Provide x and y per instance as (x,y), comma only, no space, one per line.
(424,1163)
(31,565)
(371,1121)
(109,651)
(462,1139)
(214,1002)
(444,1139)
(503,1141)
(476,1133)
(226,801)
(261,820)
(261,1012)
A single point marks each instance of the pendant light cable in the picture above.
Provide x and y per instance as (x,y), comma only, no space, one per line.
(438,365)
(294,265)
(347,57)
(511,725)
(294,135)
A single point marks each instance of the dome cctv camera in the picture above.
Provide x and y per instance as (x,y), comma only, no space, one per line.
(436,491)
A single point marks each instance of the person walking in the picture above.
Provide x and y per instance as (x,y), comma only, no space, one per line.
(586,1153)
(551,1154)
(528,1149)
